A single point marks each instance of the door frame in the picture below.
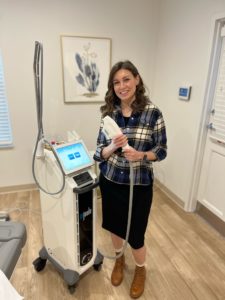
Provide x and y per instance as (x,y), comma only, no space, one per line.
(215,46)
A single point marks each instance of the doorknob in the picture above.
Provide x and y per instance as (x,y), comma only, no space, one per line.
(210,126)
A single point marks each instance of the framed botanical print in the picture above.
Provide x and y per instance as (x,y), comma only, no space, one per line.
(86,63)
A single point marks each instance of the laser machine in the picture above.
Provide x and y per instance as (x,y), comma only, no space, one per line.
(65,176)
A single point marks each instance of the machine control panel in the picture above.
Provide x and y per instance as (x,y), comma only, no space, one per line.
(83,179)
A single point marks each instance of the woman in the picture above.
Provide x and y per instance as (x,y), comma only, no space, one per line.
(142,127)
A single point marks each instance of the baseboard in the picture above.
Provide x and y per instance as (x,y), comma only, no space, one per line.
(17,188)
(210,218)
(169,194)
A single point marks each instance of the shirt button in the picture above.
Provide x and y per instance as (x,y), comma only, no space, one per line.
(121,172)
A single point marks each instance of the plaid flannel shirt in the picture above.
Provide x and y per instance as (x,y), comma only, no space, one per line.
(145,132)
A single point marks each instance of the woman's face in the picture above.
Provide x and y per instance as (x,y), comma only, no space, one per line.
(124,84)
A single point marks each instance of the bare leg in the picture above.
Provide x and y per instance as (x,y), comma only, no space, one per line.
(117,242)
(139,255)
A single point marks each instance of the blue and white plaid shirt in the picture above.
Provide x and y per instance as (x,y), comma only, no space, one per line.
(145,132)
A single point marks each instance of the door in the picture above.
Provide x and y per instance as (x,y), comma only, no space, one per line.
(211,190)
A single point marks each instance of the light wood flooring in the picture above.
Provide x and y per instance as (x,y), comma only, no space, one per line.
(185,261)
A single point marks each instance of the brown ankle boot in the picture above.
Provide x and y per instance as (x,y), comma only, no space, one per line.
(117,273)
(138,284)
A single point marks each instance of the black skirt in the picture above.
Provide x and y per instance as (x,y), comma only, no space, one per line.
(115,204)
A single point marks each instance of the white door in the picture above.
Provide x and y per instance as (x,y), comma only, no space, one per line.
(211,190)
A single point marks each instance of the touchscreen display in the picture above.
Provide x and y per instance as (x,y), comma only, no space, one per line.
(73,157)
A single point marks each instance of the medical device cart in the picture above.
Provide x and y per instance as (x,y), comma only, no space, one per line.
(68,220)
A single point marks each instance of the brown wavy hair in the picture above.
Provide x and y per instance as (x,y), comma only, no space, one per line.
(111,100)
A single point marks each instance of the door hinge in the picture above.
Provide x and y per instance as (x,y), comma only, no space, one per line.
(210,126)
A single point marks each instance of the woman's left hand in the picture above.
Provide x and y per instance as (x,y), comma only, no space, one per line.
(132,155)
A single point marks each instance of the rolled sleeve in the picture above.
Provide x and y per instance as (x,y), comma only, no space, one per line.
(98,153)
(101,143)
(160,149)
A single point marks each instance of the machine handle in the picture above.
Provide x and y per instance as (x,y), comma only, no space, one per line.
(87,188)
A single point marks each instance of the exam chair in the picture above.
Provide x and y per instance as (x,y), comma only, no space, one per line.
(13,237)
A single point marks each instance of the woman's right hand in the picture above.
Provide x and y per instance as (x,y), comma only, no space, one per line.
(118,141)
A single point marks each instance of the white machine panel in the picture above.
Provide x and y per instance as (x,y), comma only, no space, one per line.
(63,216)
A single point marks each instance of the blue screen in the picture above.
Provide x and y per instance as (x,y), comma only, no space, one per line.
(183,92)
(73,157)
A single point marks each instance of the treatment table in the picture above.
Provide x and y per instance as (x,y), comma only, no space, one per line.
(13,237)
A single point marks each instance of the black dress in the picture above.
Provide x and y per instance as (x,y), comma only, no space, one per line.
(115,204)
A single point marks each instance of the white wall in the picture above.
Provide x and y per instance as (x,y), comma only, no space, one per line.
(130,24)
(168,40)
(183,49)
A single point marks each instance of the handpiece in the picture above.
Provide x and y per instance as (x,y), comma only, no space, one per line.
(111,129)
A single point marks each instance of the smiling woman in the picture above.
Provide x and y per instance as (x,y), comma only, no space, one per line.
(5,127)
(125,86)
(143,129)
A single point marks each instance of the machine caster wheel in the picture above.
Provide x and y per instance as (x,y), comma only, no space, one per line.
(97,267)
(39,264)
(72,288)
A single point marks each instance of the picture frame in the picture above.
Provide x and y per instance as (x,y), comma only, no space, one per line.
(86,63)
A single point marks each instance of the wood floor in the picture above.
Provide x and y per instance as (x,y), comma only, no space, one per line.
(185,261)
